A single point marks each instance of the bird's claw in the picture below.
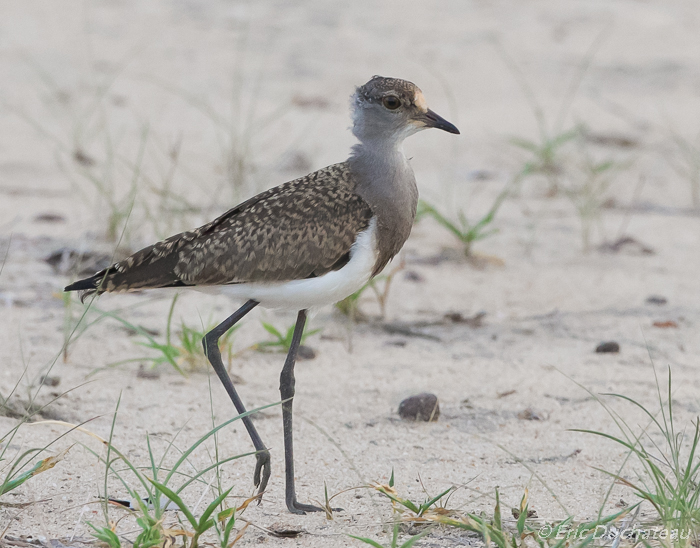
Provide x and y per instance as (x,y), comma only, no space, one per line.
(262,465)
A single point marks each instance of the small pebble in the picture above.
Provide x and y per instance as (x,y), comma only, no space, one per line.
(608,347)
(657,300)
(413,276)
(306,353)
(480,175)
(422,407)
(82,158)
(47,380)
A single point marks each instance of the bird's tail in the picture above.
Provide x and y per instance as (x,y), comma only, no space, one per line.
(88,286)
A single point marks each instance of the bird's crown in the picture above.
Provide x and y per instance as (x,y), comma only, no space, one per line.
(387,90)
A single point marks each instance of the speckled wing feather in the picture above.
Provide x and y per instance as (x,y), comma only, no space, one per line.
(301,229)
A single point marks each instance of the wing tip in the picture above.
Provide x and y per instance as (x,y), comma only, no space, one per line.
(81,285)
(86,286)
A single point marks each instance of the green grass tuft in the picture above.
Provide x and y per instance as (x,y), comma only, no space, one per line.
(281,341)
(465,231)
(670,471)
(182,349)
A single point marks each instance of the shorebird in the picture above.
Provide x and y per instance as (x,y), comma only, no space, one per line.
(306,243)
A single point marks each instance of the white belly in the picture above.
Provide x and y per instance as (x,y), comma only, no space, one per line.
(312,292)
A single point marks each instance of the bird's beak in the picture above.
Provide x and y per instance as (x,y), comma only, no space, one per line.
(430,119)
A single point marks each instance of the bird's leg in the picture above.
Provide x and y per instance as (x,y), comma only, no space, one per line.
(287,392)
(212,352)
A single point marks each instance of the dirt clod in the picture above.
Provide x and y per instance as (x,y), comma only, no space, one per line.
(657,300)
(421,407)
(531,414)
(284,532)
(477,320)
(626,244)
(531,514)
(608,347)
(150,374)
(49,218)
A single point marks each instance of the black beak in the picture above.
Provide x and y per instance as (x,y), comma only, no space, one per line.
(430,119)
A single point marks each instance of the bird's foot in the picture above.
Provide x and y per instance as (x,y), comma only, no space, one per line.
(262,465)
(298,508)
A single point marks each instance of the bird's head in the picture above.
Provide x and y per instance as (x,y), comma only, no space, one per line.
(390,109)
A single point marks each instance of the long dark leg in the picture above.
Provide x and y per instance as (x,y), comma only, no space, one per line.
(287,392)
(212,352)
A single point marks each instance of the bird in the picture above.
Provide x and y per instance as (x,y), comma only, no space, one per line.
(303,244)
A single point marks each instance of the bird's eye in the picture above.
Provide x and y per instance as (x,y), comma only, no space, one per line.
(392,102)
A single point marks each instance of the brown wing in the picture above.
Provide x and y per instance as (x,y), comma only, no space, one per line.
(297,230)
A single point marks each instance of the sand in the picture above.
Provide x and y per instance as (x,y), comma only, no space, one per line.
(178,99)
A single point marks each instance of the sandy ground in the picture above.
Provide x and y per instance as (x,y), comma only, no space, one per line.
(183,97)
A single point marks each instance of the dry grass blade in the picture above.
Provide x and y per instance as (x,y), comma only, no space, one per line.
(41,466)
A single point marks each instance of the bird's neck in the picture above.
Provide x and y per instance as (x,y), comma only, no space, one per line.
(383,174)
(377,161)
(385,180)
